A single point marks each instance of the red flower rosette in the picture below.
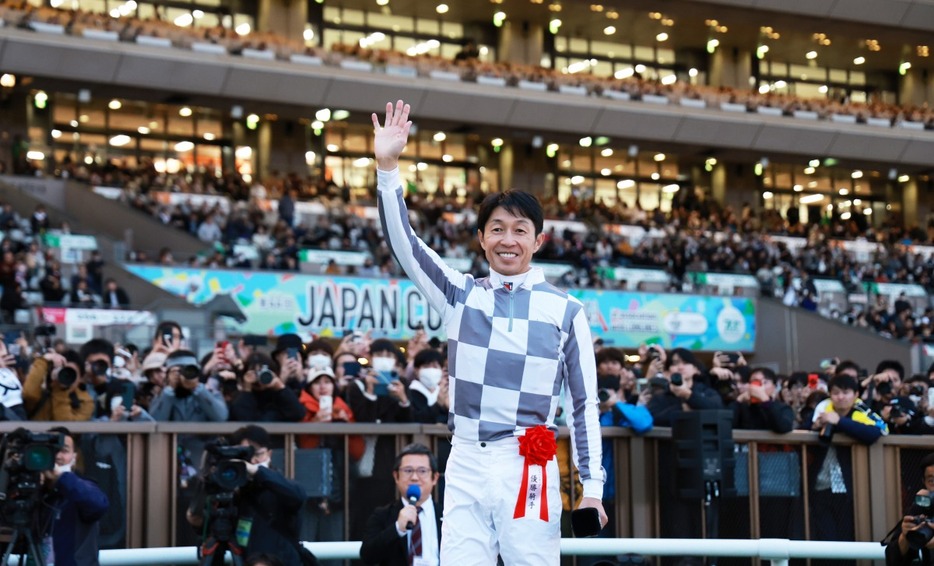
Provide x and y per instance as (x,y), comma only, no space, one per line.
(538,446)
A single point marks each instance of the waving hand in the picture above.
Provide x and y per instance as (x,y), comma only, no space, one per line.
(390,138)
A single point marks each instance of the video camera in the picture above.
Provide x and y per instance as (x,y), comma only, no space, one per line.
(920,537)
(225,466)
(24,456)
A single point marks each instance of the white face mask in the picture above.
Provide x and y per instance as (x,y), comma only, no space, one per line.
(319,361)
(383,364)
(430,377)
(63,468)
(264,464)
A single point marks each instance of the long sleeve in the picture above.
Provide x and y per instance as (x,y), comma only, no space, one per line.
(63,409)
(290,494)
(380,538)
(440,284)
(161,406)
(584,421)
(780,417)
(89,500)
(867,434)
(212,404)
(32,387)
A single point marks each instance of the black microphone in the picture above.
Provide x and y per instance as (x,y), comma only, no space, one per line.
(413,494)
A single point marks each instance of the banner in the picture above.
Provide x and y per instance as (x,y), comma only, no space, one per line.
(277,303)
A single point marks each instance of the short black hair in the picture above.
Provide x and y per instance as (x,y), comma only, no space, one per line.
(516,202)
(384,345)
(166,327)
(927,462)
(96,346)
(63,431)
(416,449)
(843,381)
(428,356)
(260,359)
(253,433)
(845,365)
(611,355)
(891,364)
(321,344)
(767,373)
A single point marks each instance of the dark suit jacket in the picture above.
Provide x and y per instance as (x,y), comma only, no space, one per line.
(382,545)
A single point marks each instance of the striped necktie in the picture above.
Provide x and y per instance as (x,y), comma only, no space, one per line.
(415,543)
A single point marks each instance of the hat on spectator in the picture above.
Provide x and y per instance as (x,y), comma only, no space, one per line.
(314,373)
(154,360)
(286,341)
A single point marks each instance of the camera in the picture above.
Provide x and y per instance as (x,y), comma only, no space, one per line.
(226,466)
(25,455)
(265,375)
(67,376)
(916,390)
(676,379)
(884,388)
(606,386)
(99,368)
(920,537)
(653,353)
(47,330)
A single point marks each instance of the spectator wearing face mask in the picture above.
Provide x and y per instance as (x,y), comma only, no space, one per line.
(428,392)
(320,354)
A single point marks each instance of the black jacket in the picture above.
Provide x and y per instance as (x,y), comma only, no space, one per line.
(382,545)
(267,406)
(775,416)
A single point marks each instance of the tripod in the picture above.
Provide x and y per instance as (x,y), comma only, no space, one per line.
(712,513)
(32,551)
(220,530)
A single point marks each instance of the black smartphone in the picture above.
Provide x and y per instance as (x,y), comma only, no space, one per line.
(292,353)
(733,358)
(585,522)
(352,369)
(129,394)
(167,338)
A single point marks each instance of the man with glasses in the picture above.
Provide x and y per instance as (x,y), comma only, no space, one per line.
(404,533)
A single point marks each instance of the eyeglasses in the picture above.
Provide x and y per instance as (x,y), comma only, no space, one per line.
(409,472)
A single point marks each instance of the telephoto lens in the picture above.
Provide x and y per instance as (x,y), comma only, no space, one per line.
(676,379)
(67,376)
(266,376)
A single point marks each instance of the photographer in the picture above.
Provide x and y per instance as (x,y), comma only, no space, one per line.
(682,388)
(53,392)
(184,397)
(756,407)
(73,507)
(913,538)
(264,396)
(268,505)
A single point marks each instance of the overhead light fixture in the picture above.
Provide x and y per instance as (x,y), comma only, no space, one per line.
(808,199)
(607,152)
(625,184)
(859,60)
(857,174)
(184,111)
(659,157)
(439,137)
(114,104)
(120,140)
(609,30)
(712,45)
(811,55)
(661,37)
(442,9)
(903,68)
(184,146)
(767,195)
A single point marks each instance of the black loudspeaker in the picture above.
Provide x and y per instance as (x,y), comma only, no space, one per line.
(704,453)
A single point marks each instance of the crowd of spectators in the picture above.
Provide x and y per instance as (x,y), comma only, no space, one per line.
(696,235)
(470,68)
(33,272)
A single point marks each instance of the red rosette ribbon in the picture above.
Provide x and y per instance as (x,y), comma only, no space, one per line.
(538,446)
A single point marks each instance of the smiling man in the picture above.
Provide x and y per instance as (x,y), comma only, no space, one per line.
(513,341)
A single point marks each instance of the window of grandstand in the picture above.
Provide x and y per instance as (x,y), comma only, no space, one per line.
(607,58)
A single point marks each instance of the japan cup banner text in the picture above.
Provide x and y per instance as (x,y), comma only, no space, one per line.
(277,303)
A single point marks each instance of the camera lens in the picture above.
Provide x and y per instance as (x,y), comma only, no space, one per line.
(266,376)
(190,372)
(676,379)
(603,395)
(67,376)
(884,388)
(920,537)
(100,367)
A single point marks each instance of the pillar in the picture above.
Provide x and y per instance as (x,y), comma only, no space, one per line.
(284,17)
(263,149)
(731,67)
(909,200)
(287,152)
(912,87)
(521,42)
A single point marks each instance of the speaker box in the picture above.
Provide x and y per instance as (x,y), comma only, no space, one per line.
(704,452)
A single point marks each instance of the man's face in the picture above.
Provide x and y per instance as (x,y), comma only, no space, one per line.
(842,399)
(509,242)
(66,455)
(415,469)
(609,367)
(261,454)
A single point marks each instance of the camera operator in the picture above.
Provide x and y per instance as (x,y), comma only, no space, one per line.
(264,396)
(269,505)
(884,385)
(913,538)
(97,357)
(53,392)
(73,507)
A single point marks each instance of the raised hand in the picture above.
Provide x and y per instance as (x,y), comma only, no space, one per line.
(390,138)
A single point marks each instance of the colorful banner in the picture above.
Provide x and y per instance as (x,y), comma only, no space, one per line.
(277,303)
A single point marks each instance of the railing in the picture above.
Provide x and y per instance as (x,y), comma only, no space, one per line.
(884,476)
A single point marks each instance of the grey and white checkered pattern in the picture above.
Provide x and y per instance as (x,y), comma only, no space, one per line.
(509,352)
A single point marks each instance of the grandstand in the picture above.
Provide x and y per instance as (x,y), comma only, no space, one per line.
(760,165)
